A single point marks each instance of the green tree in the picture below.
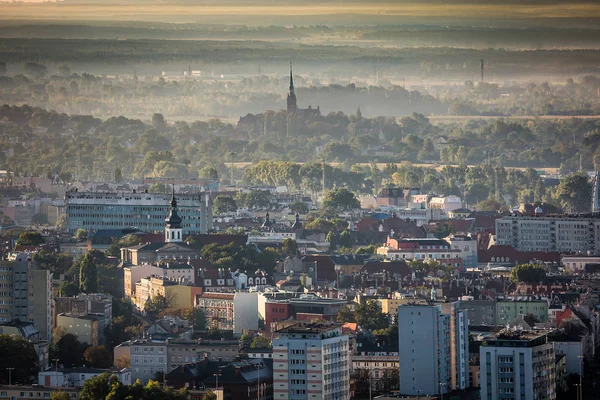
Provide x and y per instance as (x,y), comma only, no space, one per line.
(60,395)
(19,354)
(345,315)
(346,240)
(98,357)
(260,342)
(88,274)
(332,239)
(224,204)
(82,234)
(209,173)
(488,205)
(68,350)
(299,207)
(369,316)
(118,175)
(30,238)
(340,199)
(96,388)
(210,395)
(528,273)
(68,289)
(289,247)
(35,70)
(125,241)
(443,230)
(155,306)
(575,192)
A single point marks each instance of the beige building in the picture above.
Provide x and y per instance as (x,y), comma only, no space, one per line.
(379,364)
(177,295)
(87,328)
(218,308)
(390,306)
(34,392)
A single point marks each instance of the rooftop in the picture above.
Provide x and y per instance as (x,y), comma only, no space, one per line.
(309,327)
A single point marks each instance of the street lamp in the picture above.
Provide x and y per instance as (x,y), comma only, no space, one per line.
(258,388)
(577,385)
(217,375)
(581,377)
(56,371)
(441,384)
(165,376)
(419,391)
(10,370)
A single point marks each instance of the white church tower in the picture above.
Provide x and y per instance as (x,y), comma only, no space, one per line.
(173,230)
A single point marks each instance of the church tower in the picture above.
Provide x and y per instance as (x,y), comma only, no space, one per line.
(173,230)
(291,98)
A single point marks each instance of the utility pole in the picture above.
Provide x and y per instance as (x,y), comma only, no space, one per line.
(370,383)
(497,194)
(581,377)
(56,371)
(258,388)
(10,370)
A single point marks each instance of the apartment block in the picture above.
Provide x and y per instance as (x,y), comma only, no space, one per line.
(549,233)
(517,365)
(145,211)
(311,361)
(433,348)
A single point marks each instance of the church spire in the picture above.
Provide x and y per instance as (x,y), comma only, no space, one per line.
(173,229)
(291,79)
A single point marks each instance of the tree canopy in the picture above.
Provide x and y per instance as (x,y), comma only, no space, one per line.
(528,273)
(340,199)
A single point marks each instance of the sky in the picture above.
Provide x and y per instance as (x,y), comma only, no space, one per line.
(154,10)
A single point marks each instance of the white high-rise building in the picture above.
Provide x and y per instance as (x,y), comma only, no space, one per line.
(433,348)
(517,365)
(311,361)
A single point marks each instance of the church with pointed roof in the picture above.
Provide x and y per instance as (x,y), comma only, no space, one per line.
(171,249)
(292,101)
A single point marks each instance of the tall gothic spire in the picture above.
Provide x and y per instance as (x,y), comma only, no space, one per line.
(596,195)
(291,79)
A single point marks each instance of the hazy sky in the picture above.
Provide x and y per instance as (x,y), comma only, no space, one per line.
(155,10)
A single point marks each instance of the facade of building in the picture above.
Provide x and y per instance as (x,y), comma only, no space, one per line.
(378,364)
(245,312)
(30,291)
(448,203)
(433,348)
(87,328)
(22,392)
(546,233)
(144,211)
(218,308)
(311,361)
(147,358)
(421,250)
(76,377)
(517,365)
(509,309)
(97,304)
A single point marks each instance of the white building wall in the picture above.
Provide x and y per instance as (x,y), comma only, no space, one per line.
(572,351)
(245,312)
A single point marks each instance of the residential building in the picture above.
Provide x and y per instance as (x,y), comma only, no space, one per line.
(245,312)
(550,233)
(481,312)
(517,365)
(468,249)
(22,392)
(311,361)
(378,364)
(145,211)
(447,203)
(76,377)
(182,352)
(218,308)
(245,380)
(508,309)
(87,328)
(32,294)
(421,250)
(577,263)
(433,348)
(177,294)
(147,358)
(97,304)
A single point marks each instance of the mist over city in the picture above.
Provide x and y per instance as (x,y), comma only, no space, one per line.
(282,200)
